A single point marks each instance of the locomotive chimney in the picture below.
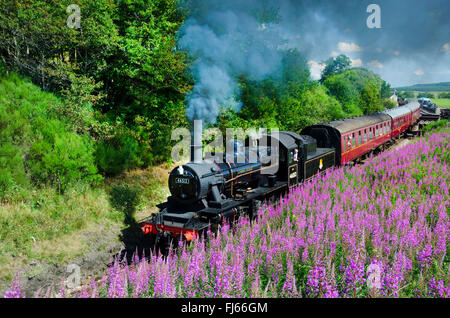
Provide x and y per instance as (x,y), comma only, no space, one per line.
(196,142)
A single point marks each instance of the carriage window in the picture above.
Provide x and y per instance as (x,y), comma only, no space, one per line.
(376,131)
(370,133)
(365,135)
(344,144)
(359,138)
(353,140)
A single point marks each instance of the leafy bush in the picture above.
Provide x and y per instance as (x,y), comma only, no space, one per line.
(369,99)
(406,94)
(437,125)
(62,158)
(388,103)
(348,86)
(36,146)
(116,154)
(313,106)
(444,95)
(425,95)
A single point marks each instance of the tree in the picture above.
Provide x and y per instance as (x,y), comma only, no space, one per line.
(369,99)
(335,65)
(445,95)
(388,103)
(385,90)
(347,86)
(296,75)
(406,94)
(426,95)
(120,67)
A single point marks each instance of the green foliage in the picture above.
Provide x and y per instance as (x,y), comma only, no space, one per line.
(433,87)
(121,63)
(437,125)
(125,198)
(348,87)
(313,106)
(116,154)
(369,99)
(335,65)
(343,90)
(61,158)
(406,94)
(445,95)
(385,90)
(425,95)
(288,102)
(35,146)
(388,103)
(122,81)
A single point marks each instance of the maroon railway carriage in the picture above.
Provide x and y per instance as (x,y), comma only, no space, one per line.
(415,111)
(401,119)
(352,137)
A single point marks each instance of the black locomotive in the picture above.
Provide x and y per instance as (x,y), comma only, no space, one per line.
(204,193)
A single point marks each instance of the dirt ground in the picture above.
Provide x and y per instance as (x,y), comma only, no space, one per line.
(99,247)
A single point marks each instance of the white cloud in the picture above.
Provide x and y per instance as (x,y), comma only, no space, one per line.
(357,63)
(334,54)
(419,72)
(379,49)
(316,69)
(446,47)
(396,53)
(376,64)
(348,47)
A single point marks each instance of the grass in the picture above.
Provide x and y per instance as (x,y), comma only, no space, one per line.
(57,228)
(442,103)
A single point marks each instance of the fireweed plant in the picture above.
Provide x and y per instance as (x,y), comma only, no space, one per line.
(387,220)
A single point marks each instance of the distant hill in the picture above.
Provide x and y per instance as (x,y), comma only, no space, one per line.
(434,87)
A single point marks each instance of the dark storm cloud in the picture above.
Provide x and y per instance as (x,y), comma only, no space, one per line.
(245,36)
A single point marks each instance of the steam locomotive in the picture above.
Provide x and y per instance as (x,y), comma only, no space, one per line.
(208,191)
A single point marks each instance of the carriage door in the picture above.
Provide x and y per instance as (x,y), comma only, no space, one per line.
(293,160)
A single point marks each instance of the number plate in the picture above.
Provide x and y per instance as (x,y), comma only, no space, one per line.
(182,181)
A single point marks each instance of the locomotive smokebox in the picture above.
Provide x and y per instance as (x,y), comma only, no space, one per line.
(196,142)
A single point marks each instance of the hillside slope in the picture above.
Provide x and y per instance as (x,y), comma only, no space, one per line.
(433,87)
(55,209)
